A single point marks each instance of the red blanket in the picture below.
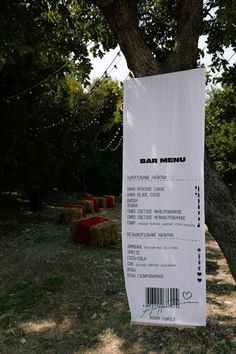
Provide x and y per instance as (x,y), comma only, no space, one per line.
(109,201)
(77,206)
(95,203)
(83,226)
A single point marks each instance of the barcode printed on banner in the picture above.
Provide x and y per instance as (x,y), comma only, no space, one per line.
(167,297)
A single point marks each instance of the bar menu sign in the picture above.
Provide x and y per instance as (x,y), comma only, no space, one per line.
(163,198)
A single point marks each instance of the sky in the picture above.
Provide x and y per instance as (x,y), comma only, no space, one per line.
(121,72)
(100,65)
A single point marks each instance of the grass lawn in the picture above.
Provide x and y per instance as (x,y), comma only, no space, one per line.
(58,297)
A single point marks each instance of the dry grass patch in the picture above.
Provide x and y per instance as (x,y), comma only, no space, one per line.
(60,298)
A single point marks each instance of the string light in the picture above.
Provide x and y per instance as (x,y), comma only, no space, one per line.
(111,142)
(118,145)
(98,83)
(18,94)
(104,75)
(64,119)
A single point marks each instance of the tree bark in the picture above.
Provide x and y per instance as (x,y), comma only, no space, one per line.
(220,213)
(122,18)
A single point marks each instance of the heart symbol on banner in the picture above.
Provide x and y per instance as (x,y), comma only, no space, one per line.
(187,295)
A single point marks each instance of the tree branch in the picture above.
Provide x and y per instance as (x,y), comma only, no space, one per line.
(189,28)
(122,18)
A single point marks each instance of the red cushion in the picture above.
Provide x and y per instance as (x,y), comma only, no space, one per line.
(109,201)
(95,203)
(83,226)
(77,206)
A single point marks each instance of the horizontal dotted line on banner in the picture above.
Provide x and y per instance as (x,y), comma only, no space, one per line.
(176,180)
(160,238)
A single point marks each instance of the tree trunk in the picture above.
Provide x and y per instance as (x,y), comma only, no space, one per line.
(220,213)
(122,18)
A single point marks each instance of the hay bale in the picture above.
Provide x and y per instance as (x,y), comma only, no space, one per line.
(89,206)
(78,206)
(110,201)
(95,203)
(69,214)
(104,233)
(80,229)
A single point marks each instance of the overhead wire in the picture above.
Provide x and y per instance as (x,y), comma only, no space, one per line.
(20,93)
(115,135)
(118,145)
(97,84)
(104,75)
(112,141)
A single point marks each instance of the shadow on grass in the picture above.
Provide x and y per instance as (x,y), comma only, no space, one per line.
(111,333)
(213,256)
(220,288)
(65,299)
(85,310)
(212,267)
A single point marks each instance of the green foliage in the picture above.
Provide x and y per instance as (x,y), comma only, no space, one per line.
(41,141)
(32,130)
(221,130)
(101,170)
(220,28)
(157,20)
(53,134)
(36,42)
(40,30)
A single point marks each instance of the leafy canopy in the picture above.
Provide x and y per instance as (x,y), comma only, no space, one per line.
(221,130)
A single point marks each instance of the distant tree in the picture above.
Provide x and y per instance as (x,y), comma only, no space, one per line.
(43,64)
(221,131)
(44,69)
(100,155)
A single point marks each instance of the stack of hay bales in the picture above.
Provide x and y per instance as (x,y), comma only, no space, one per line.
(69,214)
(94,231)
(110,201)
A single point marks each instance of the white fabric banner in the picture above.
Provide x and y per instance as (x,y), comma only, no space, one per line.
(163,236)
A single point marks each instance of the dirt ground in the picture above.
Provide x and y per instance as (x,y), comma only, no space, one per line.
(60,298)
